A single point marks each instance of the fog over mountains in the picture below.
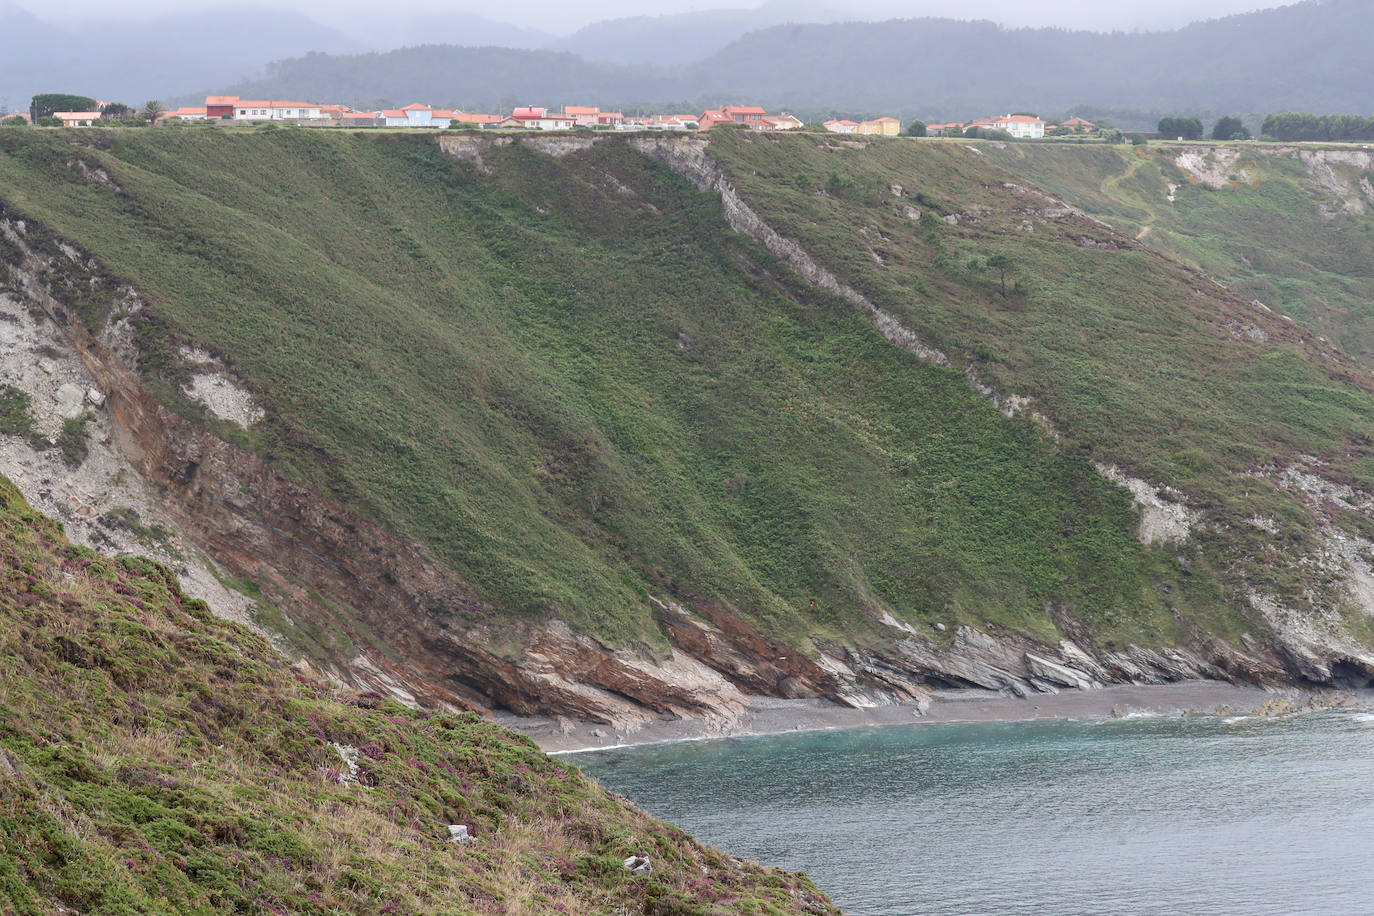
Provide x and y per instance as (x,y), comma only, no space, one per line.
(1309,56)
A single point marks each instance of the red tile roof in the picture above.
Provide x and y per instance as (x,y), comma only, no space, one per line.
(580,110)
(221,100)
(416,107)
(743,109)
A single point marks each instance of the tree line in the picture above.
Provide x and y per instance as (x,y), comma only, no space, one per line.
(1226,128)
(1288,126)
(1294,125)
(44,106)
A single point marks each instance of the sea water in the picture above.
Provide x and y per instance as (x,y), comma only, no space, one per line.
(1178,815)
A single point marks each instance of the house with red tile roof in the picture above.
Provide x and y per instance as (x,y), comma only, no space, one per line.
(784,122)
(880,127)
(841,126)
(582,115)
(362,119)
(944,130)
(481,120)
(416,115)
(542,119)
(750,115)
(220,106)
(713,117)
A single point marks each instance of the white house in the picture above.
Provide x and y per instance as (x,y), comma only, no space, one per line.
(77,118)
(273,110)
(417,116)
(542,119)
(1022,127)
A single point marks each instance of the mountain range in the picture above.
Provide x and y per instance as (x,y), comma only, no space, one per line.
(1309,56)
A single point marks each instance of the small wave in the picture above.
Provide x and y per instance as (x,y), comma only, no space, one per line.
(1129,715)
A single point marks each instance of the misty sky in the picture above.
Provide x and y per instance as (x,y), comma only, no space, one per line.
(561,16)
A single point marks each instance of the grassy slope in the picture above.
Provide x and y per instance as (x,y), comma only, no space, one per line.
(156,759)
(577,396)
(1266,238)
(1133,365)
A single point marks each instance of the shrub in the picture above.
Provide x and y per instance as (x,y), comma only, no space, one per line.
(15,419)
(74,440)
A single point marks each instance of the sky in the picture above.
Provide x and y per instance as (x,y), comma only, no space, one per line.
(560,16)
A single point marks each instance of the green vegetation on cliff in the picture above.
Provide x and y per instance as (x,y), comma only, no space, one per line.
(570,380)
(156,759)
(1135,360)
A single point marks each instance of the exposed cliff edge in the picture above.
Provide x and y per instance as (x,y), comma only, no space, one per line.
(420,632)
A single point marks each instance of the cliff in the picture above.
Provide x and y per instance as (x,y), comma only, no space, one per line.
(628,428)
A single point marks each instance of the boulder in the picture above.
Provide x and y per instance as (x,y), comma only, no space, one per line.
(638,865)
(458,833)
(70,400)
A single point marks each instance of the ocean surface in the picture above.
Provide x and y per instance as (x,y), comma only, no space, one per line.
(1197,815)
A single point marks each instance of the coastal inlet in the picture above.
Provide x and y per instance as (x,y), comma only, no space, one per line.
(1145,814)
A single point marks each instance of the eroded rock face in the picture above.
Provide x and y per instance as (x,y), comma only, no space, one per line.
(102,501)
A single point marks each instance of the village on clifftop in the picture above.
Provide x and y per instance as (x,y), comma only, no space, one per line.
(231,109)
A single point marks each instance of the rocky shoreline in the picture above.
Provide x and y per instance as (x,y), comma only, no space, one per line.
(769,715)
